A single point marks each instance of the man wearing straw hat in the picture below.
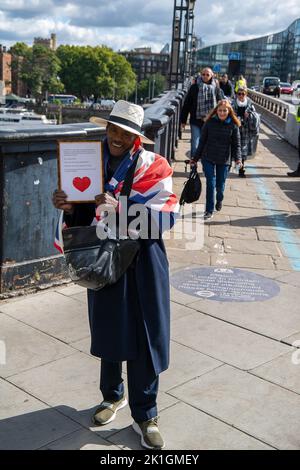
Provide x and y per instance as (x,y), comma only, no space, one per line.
(130,320)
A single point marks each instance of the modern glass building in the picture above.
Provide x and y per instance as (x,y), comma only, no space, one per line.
(274,55)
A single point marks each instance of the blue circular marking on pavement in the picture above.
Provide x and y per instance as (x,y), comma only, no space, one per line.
(224,284)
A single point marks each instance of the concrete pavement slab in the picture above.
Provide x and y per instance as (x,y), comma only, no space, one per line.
(201,432)
(81,297)
(244,212)
(291,278)
(83,345)
(249,203)
(51,312)
(185,364)
(26,347)
(174,265)
(27,423)
(255,247)
(226,342)
(267,235)
(241,260)
(240,233)
(259,408)
(179,311)
(276,317)
(188,256)
(269,273)
(292,339)
(81,440)
(286,264)
(76,391)
(70,289)
(283,371)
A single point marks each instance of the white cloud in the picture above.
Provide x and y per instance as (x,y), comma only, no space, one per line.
(124,24)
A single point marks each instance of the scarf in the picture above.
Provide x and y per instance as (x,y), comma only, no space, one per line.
(152,187)
(206,99)
(242,104)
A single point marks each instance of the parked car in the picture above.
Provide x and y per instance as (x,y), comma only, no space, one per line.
(297,88)
(271,86)
(286,88)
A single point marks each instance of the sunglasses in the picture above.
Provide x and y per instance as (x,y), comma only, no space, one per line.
(241,94)
(205,74)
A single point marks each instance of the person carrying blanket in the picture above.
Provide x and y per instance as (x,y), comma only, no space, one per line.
(130,320)
(250,122)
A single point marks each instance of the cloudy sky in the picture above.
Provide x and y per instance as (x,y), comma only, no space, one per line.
(125,24)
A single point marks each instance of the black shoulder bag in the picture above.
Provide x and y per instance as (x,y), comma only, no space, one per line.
(192,188)
(94,263)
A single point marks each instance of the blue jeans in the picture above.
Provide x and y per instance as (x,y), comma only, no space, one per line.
(215,181)
(195,138)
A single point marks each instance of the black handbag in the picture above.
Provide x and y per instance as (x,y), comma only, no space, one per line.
(94,263)
(192,188)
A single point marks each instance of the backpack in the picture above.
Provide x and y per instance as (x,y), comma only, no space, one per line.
(192,188)
(254,122)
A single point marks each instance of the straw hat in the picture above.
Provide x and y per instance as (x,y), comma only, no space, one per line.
(128,116)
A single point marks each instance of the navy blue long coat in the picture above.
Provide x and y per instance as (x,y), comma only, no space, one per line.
(143,291)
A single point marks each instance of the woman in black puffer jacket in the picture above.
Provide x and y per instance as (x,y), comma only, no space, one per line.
(220,143)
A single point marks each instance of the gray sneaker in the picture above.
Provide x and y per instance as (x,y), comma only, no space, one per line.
(150,435)
(107,411)
(208,215)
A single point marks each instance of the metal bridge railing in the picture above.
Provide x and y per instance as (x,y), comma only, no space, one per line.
(28,176)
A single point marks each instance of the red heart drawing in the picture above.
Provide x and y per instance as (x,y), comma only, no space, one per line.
(81,183)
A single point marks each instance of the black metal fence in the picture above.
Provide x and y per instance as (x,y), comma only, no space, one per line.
(28,176)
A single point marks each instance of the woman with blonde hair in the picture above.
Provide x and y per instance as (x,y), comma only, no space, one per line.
(220,143)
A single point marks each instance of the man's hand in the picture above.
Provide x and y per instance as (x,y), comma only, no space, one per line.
(59,200)
(193,163)
(106,202)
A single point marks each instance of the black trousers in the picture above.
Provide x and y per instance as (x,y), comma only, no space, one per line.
(141,380)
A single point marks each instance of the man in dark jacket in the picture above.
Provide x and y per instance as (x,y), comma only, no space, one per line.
(201,98)
(226,86)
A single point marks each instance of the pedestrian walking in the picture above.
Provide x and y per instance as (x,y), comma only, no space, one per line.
(240,83)
(201,98)
(220,143)
(130,320)
(226,86)
(297,171)
(246,112)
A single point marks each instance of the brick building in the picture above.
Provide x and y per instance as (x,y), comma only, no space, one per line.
(146,63)
(18,86)
(5,69)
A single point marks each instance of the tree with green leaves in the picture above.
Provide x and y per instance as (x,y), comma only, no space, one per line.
(152,86)
(38,67)
(97,71)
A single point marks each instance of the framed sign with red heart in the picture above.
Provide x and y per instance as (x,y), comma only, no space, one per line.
(80,170)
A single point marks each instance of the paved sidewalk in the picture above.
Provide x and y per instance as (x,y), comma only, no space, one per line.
(233,382)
